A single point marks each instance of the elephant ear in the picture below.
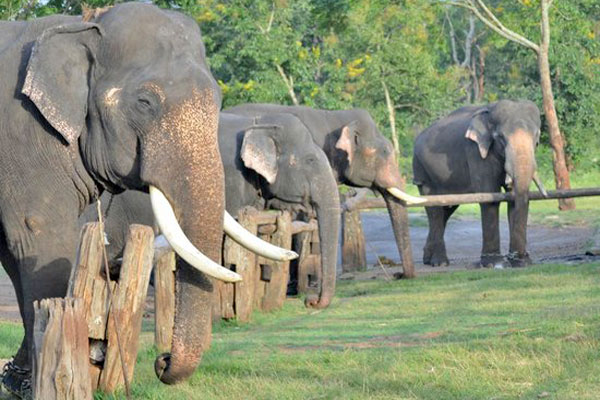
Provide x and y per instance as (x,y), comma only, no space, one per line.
(259,152)
(58,74)
(347,140)
(480,132)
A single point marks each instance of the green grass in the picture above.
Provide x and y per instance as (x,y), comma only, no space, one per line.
(485,334)
(11,334)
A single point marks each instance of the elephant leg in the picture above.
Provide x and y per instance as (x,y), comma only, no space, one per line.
(41,254)
(517,222)
(10,266)
(434,252)
(490,251)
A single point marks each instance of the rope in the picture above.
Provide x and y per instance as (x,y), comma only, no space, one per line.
(110,298)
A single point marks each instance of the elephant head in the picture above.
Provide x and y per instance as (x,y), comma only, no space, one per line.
(510,131)
(367,158)
(131,96)
(280,149)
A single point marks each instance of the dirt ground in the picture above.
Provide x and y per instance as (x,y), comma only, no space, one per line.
(463,243)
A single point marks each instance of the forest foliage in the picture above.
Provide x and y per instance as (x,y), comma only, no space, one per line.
(430,56)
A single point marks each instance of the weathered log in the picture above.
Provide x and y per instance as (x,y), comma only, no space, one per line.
(469,198)
(301,226)
(246,267)
(164,301)
(270,294)
(267,217)
(354,257)
(309,262)
(127,307)
(267,229)
(87,280)
(60,351)
(237,300)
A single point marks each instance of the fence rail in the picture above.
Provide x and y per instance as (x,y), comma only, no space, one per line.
(361,202)
(353,243)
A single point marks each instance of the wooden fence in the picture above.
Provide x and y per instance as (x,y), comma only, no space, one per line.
(353,242)
(89,339)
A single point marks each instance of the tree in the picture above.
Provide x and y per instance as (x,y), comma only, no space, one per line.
(557,141)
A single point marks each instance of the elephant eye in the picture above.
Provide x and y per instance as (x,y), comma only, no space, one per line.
(147,103)
(310,160)
(356,139)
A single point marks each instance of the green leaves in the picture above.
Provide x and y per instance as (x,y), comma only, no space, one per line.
(336,53)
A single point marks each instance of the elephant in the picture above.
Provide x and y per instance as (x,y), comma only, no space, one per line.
(269,161)
(480,149)
(358,153)
(122,99)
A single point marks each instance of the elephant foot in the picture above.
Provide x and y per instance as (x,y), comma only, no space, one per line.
(16,381)
(519,260)
(435,255)
(496,261)
(437,260)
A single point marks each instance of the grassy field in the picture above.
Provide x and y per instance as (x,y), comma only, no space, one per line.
(484,334)
(530,333)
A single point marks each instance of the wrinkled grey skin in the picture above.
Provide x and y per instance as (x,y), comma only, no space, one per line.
(480,149)
(97,105)
(358,153)
(269,160)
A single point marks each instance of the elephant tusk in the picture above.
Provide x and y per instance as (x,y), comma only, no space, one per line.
(399,194)
(238,233)
(539,184)
(167,222)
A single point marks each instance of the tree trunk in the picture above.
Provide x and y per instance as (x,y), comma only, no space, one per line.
(392,117)
(561,173)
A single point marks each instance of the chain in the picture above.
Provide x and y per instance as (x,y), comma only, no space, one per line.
(110,297)
(24,391)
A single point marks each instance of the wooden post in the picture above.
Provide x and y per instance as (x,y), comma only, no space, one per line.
(237,300)
(164,301)
(354,256)
(246,267)
(271,287)
(88,283)
(309,260)
(127,307)
(60,351)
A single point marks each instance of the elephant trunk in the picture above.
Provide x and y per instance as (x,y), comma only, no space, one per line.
(326,201)
(521,165)
(195,190)
(193,289)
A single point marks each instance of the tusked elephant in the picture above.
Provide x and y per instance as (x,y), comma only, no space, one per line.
(480,149)
(358,153)
(269,161)
(122,101)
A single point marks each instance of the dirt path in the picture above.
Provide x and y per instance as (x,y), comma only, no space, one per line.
(463,243)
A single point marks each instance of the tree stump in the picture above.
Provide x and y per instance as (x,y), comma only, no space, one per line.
(309,260)
(60,351)
(271,282)
(88,282)
(354,256)
(164,301)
